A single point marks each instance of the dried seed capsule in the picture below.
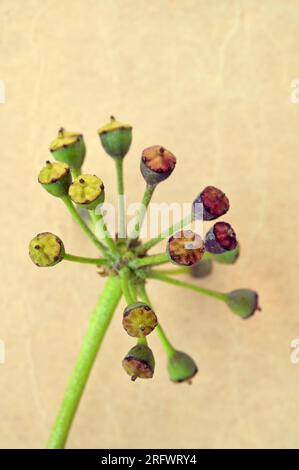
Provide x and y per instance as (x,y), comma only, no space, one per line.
(46,249)
(69,148)
(55,178)
(181,367)
(243,302)
(202,269)
(210,204)
(185,248)
(87,191)
(228,257)
(157,163)
(220,238)
(116,138)
(139,319)
(139,362)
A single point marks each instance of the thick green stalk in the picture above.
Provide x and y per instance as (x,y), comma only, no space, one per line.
(98,325)
(168,348)
(67,200)
(165,234)
(160,258)
(202,290)
(138,220)
(122,229)
(102,228)
(84,260)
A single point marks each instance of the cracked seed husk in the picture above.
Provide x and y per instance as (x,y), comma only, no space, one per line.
(210,204)
(220,238)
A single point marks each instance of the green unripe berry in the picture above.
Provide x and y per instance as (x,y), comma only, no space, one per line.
(139,362)
(181,367)
(139,319)
(157,163)
(243,302)
(87,191)
(46,250)
(116,138)
(69,148)
(202,269)
(55,178)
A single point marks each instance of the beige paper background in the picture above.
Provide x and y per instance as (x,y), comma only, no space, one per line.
(211,81)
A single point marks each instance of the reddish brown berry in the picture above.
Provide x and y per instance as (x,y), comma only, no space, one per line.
(185,248)
(157,163)
(214,204)
(220,238)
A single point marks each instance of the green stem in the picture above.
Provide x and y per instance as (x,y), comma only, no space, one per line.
(100,225)
(75,172)
(122,230)
(168,348)
(67,200)
(138,220)
(202,290)
(165,234)
(84,260)
(160,258)
(176,271)
(97,328)
(125,285)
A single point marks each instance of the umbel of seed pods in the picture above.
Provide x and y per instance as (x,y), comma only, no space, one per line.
(64,179)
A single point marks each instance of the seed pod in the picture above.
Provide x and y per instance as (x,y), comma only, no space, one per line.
(46,249)
(55,178)
(157,163)
(139,319)
(87,191)
(220,238)
(202,269)
(228,257)
(116,138)
(181,367)
(210,204)
(185,248)
(69,148)
(139,362)
(243,302)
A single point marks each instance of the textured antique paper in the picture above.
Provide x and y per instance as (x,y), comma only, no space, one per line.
(210,80)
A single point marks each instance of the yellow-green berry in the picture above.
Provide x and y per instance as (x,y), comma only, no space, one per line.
(181,367)
(69,148)
(46,250)
(139,319)
(55,178)
(87,191)
(185,248)
(116,138)
(139,362)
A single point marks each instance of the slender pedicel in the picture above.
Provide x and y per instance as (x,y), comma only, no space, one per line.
(85,260)
(138,220)
(46,250)
(152,260)
(185,248)
(69,148)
